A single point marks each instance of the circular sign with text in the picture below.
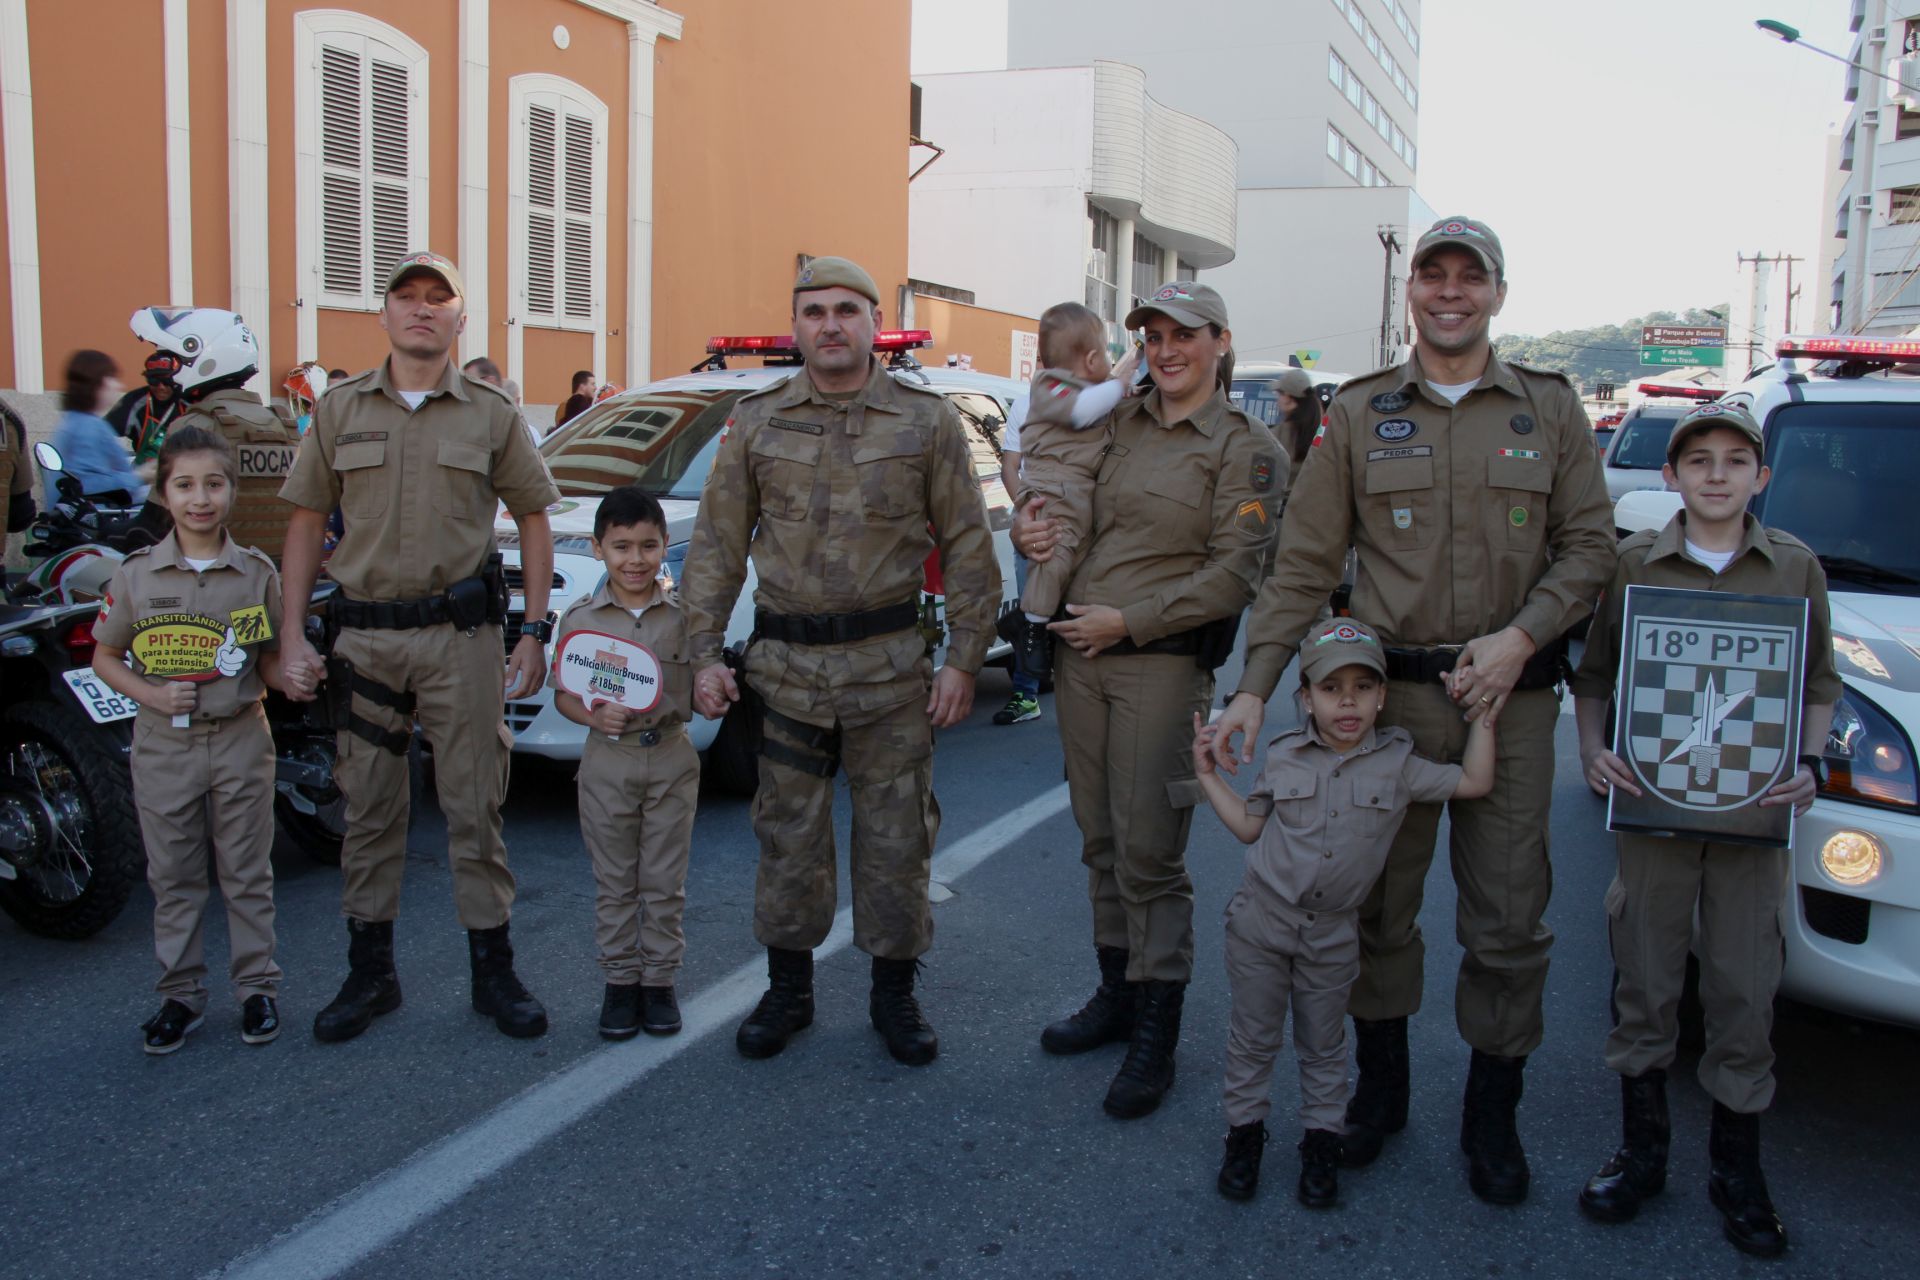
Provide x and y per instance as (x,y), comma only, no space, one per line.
(596,667)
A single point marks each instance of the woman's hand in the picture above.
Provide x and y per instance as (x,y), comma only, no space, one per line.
(1604,769)
(1033,533)
(1091,628)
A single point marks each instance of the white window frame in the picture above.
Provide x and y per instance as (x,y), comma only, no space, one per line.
(1336,145)
(311,27)
(567,97)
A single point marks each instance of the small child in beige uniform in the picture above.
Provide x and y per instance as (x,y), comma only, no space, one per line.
(1074,392)
(201,615)
(639,775)
(1331,796)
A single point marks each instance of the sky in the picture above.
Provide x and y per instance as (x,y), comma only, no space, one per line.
(1626,151)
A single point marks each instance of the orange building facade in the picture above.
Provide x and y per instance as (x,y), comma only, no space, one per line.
(617,180)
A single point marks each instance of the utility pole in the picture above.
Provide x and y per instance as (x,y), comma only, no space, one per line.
(1389,241)
(1758,331)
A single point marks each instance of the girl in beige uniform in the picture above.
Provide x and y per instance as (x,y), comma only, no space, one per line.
(201,617)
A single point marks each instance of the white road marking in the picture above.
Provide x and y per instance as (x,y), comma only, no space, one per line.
(367,1219)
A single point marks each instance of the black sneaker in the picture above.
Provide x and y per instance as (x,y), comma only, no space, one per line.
(620,1011)
(167,1030)
(1020,708)
(259,1020)
(659,1011)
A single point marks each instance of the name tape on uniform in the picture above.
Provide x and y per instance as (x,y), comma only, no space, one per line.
(596,667)
(265,461)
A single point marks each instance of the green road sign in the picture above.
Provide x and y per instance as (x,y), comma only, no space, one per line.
(1708,357)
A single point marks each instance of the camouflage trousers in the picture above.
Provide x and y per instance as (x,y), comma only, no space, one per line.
(889,766)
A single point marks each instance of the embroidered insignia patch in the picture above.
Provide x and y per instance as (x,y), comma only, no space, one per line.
(1318,436)
(1517,517)
(1391,401)
(1403,517)
(1522,424)
(1519,453)
(1262,473)
(1394,430)
(789,424)
(1255,508)
(1340,633)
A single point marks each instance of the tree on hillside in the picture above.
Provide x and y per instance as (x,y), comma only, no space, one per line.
(1603,353)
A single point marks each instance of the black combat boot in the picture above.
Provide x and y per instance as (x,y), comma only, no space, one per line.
(896,1014)
(1105,1018)
(1638,1170)
(496,988)
(1240,1168)
(1319,1169)
(1496,1164)
(371,988)
(1737,1187)
(786,1007)
(1147,1073)
(1379,1103)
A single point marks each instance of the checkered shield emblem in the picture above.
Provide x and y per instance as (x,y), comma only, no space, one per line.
(1708,709)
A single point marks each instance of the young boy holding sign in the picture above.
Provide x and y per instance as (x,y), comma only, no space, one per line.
(201,617)
(620,667)
(1736,891)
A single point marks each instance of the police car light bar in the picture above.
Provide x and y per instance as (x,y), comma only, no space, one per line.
(1849,346)
(1683,392)
(886,342)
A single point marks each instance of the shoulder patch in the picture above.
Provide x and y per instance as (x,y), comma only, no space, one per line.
(1391,402)
(1263,473)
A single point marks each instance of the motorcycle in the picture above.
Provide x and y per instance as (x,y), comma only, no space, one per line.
(80,542)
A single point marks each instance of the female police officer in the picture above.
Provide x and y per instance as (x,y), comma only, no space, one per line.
(1183,511)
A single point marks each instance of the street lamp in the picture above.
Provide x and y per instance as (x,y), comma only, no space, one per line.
(1791,35)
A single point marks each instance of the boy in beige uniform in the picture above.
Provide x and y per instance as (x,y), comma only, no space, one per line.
(202,758)
(1735,891)
(639,775)
(1330,798)
(1059,452)
(419,457)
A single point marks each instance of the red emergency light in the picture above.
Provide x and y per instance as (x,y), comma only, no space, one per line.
(1849,347)
(1682,391)
(887,342)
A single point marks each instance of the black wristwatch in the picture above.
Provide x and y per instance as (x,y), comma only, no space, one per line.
(1818,766)
(540,629)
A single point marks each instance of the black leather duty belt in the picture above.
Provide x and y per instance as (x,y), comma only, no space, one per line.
(1183,644)
(391,615)
(835,628)
(1543,670)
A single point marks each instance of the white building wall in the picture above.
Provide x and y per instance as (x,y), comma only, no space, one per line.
(1308,272)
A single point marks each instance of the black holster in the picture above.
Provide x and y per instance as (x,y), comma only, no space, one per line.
(343,682)
(752,707)
(1216,642)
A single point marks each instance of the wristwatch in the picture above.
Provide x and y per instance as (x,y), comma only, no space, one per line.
(541,629)
(1818,766)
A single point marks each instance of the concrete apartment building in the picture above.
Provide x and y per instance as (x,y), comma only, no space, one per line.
(615,178)
(1321,98)
(1873,191)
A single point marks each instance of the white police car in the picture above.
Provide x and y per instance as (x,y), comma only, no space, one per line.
(1842,427)
(663,437)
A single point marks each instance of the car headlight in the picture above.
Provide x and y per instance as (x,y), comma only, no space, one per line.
(675,562)
(1869,758)
(1852,858)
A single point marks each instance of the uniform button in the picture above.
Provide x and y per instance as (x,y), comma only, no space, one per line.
(1318,894)
(1336,773)
(1293,791)
(1327,854)
(1333,813)
(1311,917)
(1373,800)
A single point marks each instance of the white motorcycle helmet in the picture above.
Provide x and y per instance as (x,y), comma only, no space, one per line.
(215,348)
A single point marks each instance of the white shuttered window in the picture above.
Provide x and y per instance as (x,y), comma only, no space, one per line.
(361,144)
(558,202)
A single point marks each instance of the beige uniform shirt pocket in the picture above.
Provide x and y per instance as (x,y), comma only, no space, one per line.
(363,478)
(1519,488)
(783,464)
(1178,500)
(462,483)
(1374,808)
(893,476)
(1294,804)
(1399,506)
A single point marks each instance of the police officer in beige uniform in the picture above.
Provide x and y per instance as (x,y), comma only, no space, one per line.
(1183,511)
(214,354)
(417,455)
(830,480)
(1473,495)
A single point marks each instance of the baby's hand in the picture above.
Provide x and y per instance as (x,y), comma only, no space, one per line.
(1128,366)
(1203,738)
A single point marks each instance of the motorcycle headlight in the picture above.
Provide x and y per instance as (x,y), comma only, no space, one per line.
(1869,758)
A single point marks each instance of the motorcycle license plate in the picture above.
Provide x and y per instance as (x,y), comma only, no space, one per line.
(102,703)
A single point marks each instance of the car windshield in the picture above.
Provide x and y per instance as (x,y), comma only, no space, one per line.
(663,441)
(1641,442)
(1844,476)
(1256,398)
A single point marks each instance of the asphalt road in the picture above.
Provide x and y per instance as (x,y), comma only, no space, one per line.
(432,1146)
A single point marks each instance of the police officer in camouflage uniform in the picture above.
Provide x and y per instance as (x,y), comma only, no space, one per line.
(1473,495)
(830,480)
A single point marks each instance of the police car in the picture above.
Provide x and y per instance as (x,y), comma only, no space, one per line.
(663,437)
(1841,417)
(1638,447)
(1256,384)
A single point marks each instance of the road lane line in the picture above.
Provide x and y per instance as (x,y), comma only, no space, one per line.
(344,1233)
